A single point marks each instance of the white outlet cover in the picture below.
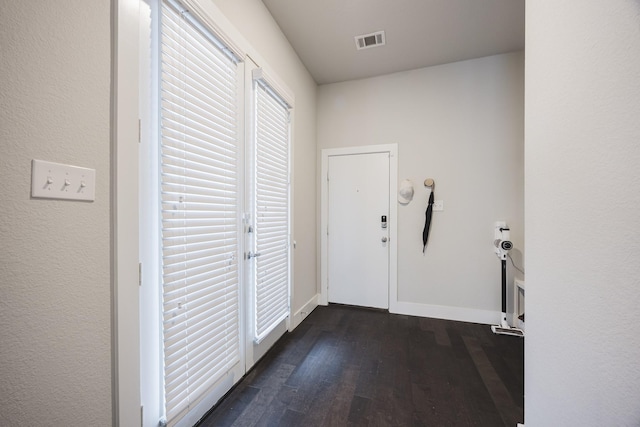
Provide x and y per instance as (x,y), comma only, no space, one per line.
(59,181)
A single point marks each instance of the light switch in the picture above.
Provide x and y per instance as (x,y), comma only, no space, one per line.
(438,205)
(57,181)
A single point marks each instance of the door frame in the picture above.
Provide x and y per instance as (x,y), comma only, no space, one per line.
(392,149)
(125,307)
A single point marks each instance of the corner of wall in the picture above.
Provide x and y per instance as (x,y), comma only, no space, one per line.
(303,312)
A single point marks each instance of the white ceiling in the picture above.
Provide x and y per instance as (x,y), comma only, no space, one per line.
(419,33)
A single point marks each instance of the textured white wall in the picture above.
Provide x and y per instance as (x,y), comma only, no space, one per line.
(582,150)
(462,125)
(253,21)
(55,303)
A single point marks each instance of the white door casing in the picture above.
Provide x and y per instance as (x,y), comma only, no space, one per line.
(124,213)
(354,264)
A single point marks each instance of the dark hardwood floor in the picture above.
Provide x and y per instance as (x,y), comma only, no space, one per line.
(346,366)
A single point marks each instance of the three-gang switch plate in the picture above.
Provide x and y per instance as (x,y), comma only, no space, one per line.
(57,181)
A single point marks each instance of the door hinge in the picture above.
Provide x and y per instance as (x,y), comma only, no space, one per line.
(139,274)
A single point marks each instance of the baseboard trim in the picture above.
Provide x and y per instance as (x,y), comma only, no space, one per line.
(303,312)
(461,314)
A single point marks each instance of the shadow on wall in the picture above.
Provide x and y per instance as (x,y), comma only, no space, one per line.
(516,266)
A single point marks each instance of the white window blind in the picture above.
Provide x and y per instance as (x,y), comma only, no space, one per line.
(272,210)
(200,219)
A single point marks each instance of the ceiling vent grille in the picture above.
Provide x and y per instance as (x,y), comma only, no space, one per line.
(366,41)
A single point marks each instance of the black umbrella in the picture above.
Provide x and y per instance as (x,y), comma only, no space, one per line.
(427,222)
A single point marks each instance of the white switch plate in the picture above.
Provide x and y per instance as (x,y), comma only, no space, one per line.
(438,205)
(57,181)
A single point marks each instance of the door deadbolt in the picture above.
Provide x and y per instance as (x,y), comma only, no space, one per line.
(384,240)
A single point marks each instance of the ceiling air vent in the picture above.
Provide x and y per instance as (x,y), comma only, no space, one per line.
(370,40)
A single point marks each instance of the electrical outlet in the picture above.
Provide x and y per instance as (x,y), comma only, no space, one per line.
(438,205)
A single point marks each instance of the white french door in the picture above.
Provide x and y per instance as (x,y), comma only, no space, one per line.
(214,213)
(200,215)
(268,218)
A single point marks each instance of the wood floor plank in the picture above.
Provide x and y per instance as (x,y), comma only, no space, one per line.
(497,390)
(232,407)
(346,366)
(267,398)
(359,410)
(291,419)
(317,412)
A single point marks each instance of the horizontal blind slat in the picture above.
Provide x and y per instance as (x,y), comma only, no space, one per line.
(272,212)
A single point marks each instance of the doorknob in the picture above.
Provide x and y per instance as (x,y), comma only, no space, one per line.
(384,240)
(252,255)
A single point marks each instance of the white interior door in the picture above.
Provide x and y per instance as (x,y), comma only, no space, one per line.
(357,242)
